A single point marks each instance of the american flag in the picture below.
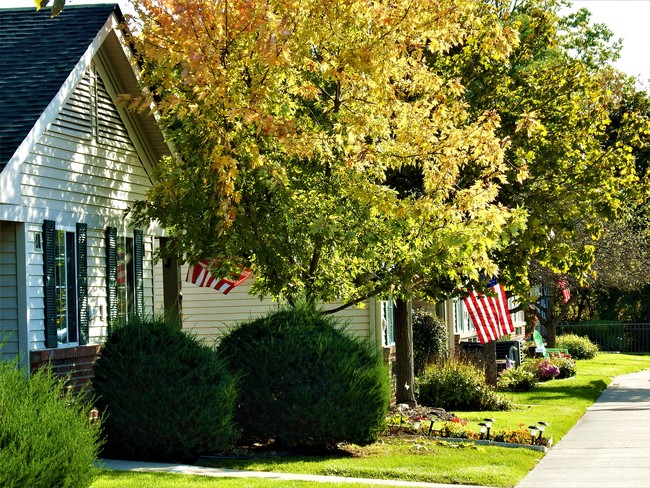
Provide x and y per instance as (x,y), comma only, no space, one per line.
(490,314)
(564,288)
(200,275)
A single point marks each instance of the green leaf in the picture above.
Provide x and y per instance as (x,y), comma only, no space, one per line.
(57,7)
(41,4)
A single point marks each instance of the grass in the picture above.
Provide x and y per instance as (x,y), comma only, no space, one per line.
(559,402)
(121,479)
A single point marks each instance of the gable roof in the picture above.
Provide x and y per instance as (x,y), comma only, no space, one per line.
(37,53)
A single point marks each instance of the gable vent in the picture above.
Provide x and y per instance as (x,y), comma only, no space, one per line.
(76,118)
(91,114)
(110,128)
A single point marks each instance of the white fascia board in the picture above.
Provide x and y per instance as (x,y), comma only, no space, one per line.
(10,190)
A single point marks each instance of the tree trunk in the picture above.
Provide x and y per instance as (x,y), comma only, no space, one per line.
(551,320)
(551,332)
(490,358)
(404,353)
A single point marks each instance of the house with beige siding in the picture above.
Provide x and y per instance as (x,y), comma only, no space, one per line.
(71,163)
(209,314)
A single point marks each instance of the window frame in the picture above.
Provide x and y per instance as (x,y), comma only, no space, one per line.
(125,300)
(65,285)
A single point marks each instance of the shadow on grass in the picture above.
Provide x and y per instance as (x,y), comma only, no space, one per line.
(271,455)
(549,392)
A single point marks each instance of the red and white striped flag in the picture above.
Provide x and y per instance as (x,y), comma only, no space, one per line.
(490,314)
(564,288)
(200,275)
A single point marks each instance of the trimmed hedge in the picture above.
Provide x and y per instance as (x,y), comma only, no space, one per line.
(305,382)
(166,396)
(47,437)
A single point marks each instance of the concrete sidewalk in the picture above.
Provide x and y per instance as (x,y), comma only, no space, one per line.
(609,447)
(236,473)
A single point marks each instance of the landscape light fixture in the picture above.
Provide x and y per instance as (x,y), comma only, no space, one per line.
(541,426)
(433,419)
(488,424)
(533,433)
(483,427)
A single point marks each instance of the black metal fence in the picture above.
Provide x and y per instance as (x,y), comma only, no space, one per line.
(612,336)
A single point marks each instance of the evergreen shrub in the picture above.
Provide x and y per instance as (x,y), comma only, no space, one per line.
(165,396)
(579,347)
(305,382)
(47,436)
(429,339)
(458,386)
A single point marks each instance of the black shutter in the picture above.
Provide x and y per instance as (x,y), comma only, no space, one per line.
(49,251)
(82,282)
(111,276)
(138,251)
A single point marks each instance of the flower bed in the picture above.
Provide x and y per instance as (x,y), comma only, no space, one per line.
(447,427)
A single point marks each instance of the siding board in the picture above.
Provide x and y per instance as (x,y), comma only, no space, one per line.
(8,292)
(84,164)
(210,314)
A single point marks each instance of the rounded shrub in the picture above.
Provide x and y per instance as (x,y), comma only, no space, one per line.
(579,347)
(542,368)
(429,339)
(516,379)
(304,382)
(565,365)
(165,396)
(47,436)
(457,386)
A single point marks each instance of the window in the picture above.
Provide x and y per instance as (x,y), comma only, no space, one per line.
(462,322)
(388,323)
(124,275)
(125,279)
(66,285)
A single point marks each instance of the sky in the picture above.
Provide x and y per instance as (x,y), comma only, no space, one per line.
(628,19)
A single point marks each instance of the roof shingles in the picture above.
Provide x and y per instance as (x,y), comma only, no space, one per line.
(37,53)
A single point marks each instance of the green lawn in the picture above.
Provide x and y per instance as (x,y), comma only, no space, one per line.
(119,479)
(559,402)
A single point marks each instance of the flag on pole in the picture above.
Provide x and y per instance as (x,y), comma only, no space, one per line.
(564,288)
(200,275)
(490,314)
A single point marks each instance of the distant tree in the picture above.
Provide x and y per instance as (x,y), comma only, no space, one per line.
(556,97)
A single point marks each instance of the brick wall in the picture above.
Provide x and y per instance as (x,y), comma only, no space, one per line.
(74,363)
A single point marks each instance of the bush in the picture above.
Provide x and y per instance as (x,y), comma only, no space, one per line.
(579,347)
(517,379)
(457,386)
(305,382)
(429,339)
(47,437)
(166,396)
(566,366)
(541,368)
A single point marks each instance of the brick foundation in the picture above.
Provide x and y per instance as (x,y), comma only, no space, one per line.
(74,363)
